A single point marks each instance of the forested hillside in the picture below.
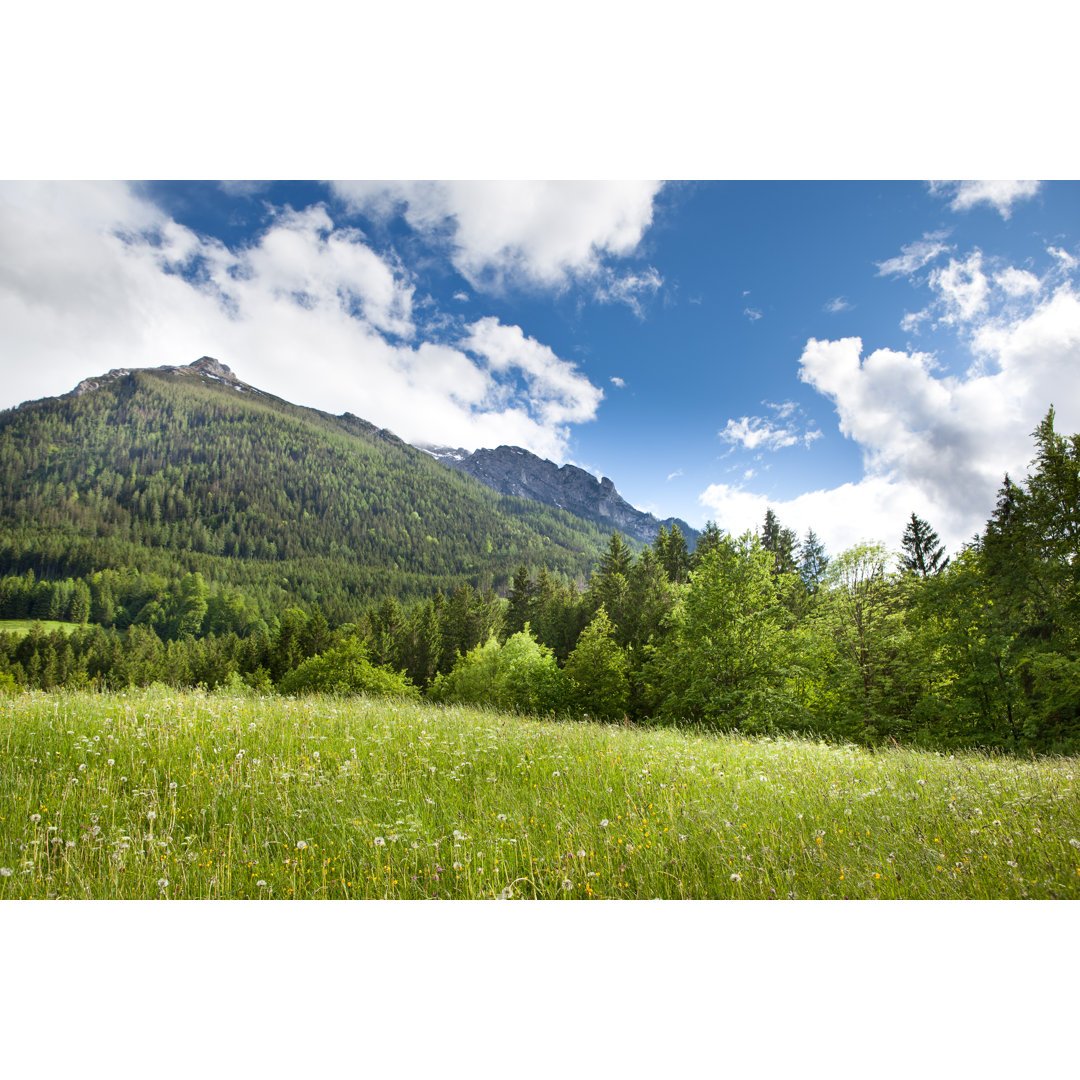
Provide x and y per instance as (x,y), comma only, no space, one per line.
(195,532)
(177,470)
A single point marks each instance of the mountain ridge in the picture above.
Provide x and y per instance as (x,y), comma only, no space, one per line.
(512,470)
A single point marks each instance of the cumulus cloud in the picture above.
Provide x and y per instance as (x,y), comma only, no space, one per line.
(932,442)
(1000,194)
(533,233)
(758,433)
(837,304)
(915,256)
(620,383)
(93,276)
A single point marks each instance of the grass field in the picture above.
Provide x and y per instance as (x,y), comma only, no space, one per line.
(22,627)
(177,795)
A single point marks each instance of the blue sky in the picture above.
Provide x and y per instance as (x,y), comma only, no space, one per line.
(847,352)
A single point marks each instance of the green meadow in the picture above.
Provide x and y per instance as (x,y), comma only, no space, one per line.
(162,794)
(22,627)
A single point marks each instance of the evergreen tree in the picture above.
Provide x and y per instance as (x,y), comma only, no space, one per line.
(922,553)
(781,543)
(812,562)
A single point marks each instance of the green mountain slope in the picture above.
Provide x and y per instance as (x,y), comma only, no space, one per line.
(171,470)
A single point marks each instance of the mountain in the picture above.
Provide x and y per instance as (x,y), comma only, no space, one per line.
(510,470)
(170,470)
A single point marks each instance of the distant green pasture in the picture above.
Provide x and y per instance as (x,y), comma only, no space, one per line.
(22,627)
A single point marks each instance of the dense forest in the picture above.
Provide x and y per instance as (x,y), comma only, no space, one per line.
(160,471)
(401,577)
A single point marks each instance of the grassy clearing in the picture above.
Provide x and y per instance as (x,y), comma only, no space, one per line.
(22,627)
(188,795)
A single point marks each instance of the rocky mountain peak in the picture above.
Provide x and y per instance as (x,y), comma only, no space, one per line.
(511,470)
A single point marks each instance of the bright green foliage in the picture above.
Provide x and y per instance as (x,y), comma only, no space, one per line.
(725,663)
(598,673)
(866,647)
(346,669)
(521,675)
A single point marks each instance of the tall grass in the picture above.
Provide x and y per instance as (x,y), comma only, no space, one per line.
(192,795)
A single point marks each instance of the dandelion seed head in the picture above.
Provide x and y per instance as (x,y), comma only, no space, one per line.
(581,853)
(150,815)
(736,877)
(35,818)
(300,845)
(567,884)
(260,883)
(380,841)
(6,871)
(163,883)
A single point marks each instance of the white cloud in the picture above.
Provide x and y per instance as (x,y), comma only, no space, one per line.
(1000,194)
(837,304)
(627,288)
(500,233)
(1063,257)
(756,433)
(558,392)
(93,277)
(962,287)
(752,314)
(1015,282)
(620,383)
(934,443)
(915,256)
(677,473)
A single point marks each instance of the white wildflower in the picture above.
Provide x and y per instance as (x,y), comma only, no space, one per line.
(736,877)
(458,866)
(604,823)
(581,853)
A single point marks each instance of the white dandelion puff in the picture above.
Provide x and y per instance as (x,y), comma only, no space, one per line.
(581,853)
(6,871)
(604,823)
(457,866)
(35,818)
(567,884)
(260,883)
(380,842)
(300,845)
(163,883)
(150,815)
(736,877)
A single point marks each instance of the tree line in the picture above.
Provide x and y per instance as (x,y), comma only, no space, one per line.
(760,633)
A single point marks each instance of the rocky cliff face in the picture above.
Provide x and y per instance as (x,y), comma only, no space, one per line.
(510,470)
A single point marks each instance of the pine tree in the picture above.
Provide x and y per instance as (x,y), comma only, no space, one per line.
(812,562)
(781,542)
(922,552)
